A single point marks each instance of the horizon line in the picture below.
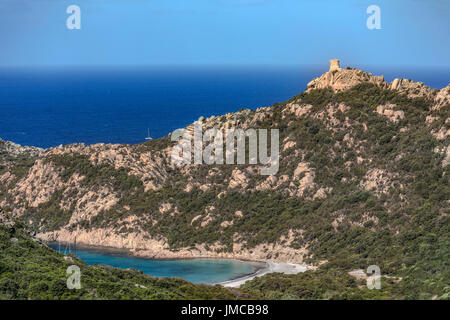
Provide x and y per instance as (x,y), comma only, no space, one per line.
(209,65)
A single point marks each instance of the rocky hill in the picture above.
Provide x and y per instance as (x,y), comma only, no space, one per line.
(363,180)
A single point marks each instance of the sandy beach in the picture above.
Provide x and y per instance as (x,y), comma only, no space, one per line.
(286,268)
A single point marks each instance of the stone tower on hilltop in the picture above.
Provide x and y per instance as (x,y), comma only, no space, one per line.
(340,79)
(334,65)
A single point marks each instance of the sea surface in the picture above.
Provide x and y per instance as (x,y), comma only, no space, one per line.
(47,107)
(207,271)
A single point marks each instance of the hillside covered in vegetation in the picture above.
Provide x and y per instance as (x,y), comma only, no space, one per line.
(363,180)
(31,270)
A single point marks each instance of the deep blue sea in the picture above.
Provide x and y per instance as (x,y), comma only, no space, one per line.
(52,106)
(197,270)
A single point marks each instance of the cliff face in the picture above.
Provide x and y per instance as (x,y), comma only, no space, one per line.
(358,158)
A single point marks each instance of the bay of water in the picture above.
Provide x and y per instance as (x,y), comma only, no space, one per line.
(52,106)
(207,271)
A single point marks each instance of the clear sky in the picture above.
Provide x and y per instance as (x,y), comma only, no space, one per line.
(224,32)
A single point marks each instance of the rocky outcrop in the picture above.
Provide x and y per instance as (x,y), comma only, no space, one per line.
(14,150)
(446,160)
(339,79)
(299,110)
(389,112)
(445,151)
(304,178)
(411,88)
(342,79)
(38,186)
(6,178)
(238,180)
(151,167)
(441,133)
(442,97)
(378,180)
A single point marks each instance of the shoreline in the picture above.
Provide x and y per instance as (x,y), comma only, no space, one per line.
(134,254)
(262,267)
(271,267)
(180,254)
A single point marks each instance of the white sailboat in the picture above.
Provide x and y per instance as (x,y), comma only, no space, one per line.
(148,135)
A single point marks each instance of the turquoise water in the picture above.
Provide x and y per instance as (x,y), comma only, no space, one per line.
(196,270)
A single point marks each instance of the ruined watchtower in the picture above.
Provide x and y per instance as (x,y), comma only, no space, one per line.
(334,65)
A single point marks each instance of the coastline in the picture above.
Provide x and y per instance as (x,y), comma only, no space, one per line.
(271,267)
(138,245)
(262,267)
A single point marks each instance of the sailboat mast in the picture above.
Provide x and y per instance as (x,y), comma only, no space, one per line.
(148,135)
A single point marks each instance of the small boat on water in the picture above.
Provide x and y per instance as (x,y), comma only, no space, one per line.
(148,135)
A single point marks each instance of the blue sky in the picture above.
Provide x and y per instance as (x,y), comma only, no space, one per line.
(224,32)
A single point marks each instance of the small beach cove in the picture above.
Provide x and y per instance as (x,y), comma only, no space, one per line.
(226,272)
(270,267)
